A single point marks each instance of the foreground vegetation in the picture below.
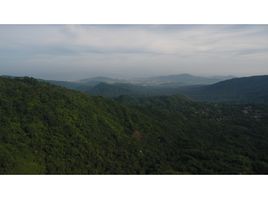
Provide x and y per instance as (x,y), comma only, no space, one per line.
(46,129)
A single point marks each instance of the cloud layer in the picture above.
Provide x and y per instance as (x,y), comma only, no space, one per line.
(71,52)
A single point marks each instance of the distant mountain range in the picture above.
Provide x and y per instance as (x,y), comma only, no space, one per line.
(165,81)
(152,86)
(252,89)
(100,79)
(181,80)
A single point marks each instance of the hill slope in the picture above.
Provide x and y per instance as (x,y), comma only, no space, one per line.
(252,89)
(47,129)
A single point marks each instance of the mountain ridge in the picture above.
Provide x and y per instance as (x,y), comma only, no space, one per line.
(177,79)
(253,89)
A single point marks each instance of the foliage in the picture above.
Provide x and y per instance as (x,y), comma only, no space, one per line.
(46,129)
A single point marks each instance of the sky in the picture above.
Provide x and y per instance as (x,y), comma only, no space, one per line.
(73,52)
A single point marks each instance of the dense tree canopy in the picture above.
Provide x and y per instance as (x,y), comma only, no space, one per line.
(46,129)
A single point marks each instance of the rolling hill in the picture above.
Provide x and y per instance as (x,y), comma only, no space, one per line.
(165,82)
(252,89)
(119,89)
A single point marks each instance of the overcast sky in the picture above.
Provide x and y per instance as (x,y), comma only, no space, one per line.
(71,52)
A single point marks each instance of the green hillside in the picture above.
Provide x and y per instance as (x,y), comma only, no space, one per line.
(252,89)
(46,129)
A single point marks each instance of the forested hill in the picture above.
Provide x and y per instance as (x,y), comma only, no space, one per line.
(46,129)
(252,89)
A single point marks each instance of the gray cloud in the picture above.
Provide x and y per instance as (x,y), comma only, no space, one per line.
(79,51)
